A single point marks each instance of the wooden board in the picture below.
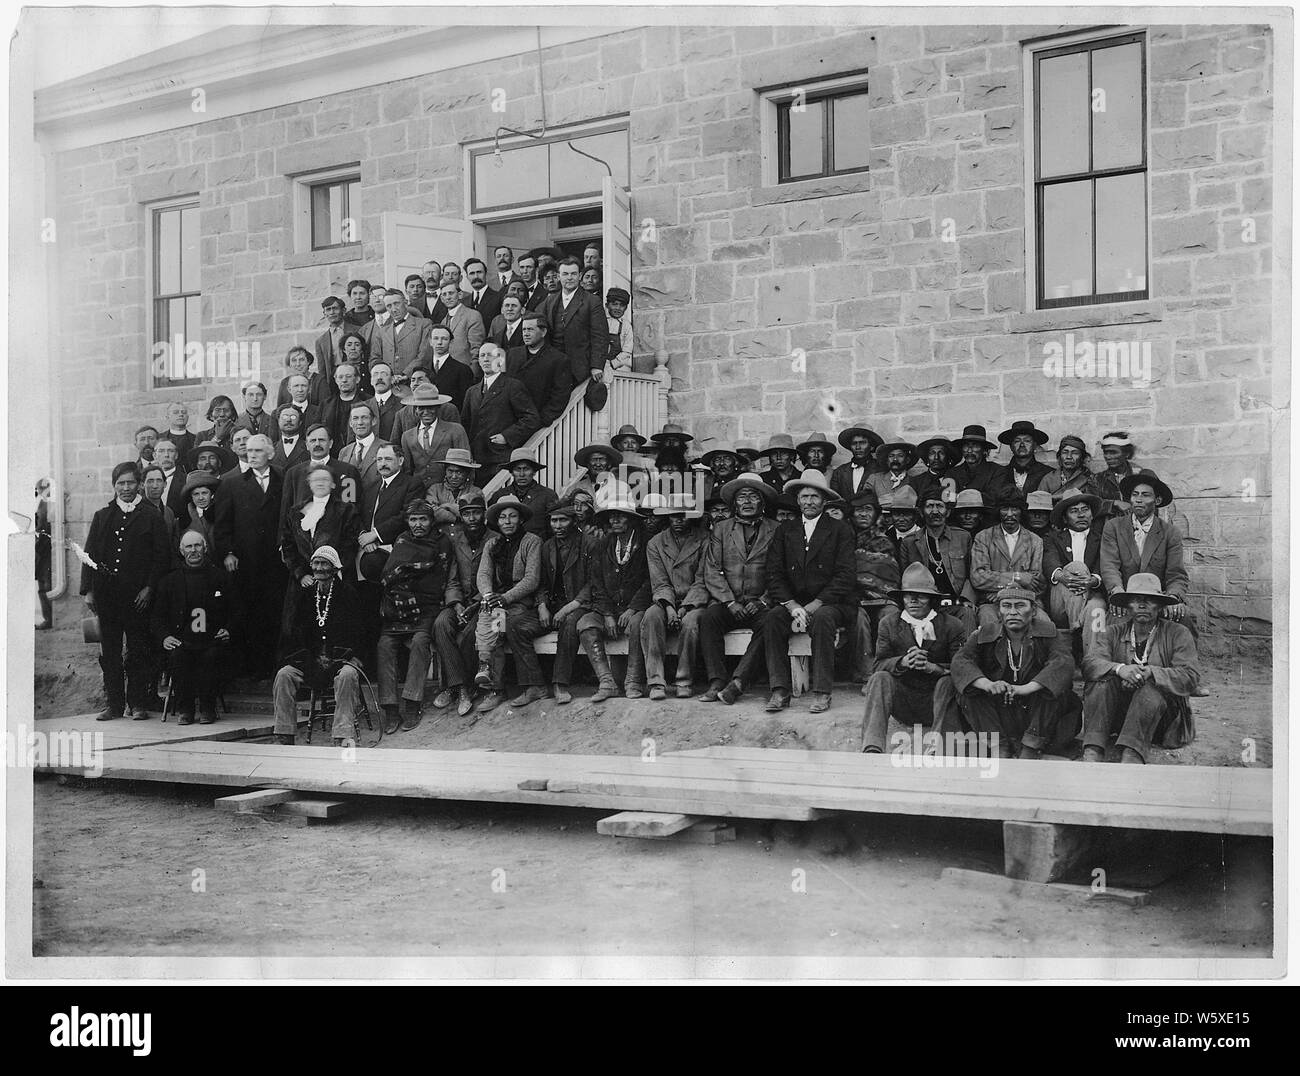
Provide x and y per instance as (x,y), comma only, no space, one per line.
(251,801)
(124,732)
(644,824)
(1057,891)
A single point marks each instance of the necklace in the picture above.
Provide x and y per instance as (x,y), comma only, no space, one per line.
(619,555)
(323,611)
(1014,660)
(1140,656)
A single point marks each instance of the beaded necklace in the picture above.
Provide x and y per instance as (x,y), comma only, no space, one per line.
(323,612)
(1014,661)
(1140,656)
(621,557)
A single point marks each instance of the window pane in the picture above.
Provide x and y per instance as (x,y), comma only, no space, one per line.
(1063,105)
(320,216)
(169,247)
(1121,234)
(1067,239)
(190,248)
(851,132)
(161,326)
(193,318)
(805,138)
(1117,120)
(352,212)
(571,173)
(176,320)
(522,176)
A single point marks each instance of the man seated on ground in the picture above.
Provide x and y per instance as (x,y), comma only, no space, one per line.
(674,556)
(454,627)
(1003,555)
(811,583)
(914,649)
(415,582)
(190,623)
(1140,675)
(509,574)
(1071,565)
(1012,678)
(566,568)
(322,647)
(945,552)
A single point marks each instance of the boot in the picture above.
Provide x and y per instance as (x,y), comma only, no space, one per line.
(483,678)
(1092,753)
(443,699)
(465,701)
(283,739)
(562,696)
(186,718)
(208,716)
(391,719)
(411,719)
(593,645)
(529,695)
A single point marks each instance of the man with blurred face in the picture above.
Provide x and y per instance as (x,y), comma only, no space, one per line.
(1012,677)
(189,622)
(1005,555)
(320,445)
(466,325)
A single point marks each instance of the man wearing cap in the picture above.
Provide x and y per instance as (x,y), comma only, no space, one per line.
(1013,677)
(782,458)
(1140,541)
(1140,674)
(620,328)
(914,648)
(1024,472)
(525,488)
(969,512)
(733,572)
(816,453)
(321,648)
(811,583)
(974,471)
(938,455)
(1072,566)
(895,460)
(424,449)
(851,478)
(415,582)
(190,618)
(1005,554)
(875,561)
(944,552)
(498,414)
(619,592)
(459,468)
(543,370)
(564,592)
(1072,474)
(454,628)
(677,596)
(1038,512)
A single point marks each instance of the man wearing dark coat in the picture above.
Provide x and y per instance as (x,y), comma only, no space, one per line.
(190,618)
(543,370)
(579,327)
(498,415)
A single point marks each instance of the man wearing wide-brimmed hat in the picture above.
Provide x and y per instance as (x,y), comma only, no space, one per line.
(811,581)
(454,627)
(1140,674)
(597,463)
(1038,512)
(211,457)
(1013,680)
(944,551)
(425,447)
(1140,541)
(509,573)
(904,515)
(914,648)
(566,567)
(523,485)
(850,478)
(1024,472)
(970,513)
(975,471)
(673,559)
(782,460)
(734,575)
(1005,554)
(724,463)
(896,459)
(1076,598)
(939,456)
(459,468)
(815,453)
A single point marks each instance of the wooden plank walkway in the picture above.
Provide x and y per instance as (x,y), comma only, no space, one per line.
(737,783)
(125,733)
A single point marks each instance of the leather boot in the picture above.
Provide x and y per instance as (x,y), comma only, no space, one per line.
(593,645)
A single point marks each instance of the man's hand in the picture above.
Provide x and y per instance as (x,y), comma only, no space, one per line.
(738,611)
(1176,612)
(543,615)
(611,626)
(624,619)
(598,375)
(171,642)
(369,538)
(141,602)
(1015,691)
(674,618)
(458,609)
(1131,675)
(991,687)
(232,562)
(497,439)
(566,611)
(753,607)
(307,581)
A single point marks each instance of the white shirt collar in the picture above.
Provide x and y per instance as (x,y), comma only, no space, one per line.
(382,397)
(489,378)
(809,525)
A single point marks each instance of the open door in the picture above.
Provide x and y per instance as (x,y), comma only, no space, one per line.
(411,239)
(616,223)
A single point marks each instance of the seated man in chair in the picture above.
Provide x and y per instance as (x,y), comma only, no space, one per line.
(323,626)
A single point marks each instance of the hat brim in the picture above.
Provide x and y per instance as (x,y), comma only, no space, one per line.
(1164,495)
(584,454)
(531,463)
(662,438)
(898,592)
(1123,597)
(199,480)
(794,485)
(619,436)
(957,443)
(437,401)
(730,489)
(494,512)
(226,459)
(882,453)
(953,453)
(1007,436)
(830,448)
(604,513)
(464,465)
(1065,504)
(854,431)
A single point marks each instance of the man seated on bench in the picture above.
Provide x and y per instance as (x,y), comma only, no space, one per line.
(415,581)
(323,623)
(454,627)
(674,557)
(619,594)
(914,648)
(189,621)
(1013,677)
(566,568)
(733,573)
(811,580)
(1140,674)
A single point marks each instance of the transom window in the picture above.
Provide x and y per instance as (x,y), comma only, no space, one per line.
(821,134)
(1090,172)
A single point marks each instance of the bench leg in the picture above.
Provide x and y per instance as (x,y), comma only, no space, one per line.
(1045,851)
(798,675)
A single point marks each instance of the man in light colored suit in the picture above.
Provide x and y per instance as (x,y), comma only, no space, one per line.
(403,339)
(1139,541)
(329,345)
(424,449)
(466,325)
(360,451)
(1005,555)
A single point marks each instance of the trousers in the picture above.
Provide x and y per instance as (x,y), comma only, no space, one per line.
(635,655)
(520,626)
(194,675)
(347,690)
(119,621)
(566,647)
(822,626)
(715,621)
(864,640)
(419,643)
(1107,703)
(1039,720)
(889,695)
(455,648)
(654,640)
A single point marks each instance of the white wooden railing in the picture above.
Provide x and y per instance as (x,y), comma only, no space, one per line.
(639,399)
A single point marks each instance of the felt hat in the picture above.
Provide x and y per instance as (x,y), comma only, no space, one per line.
(809,479)
(627,431)
(904,499)
(779,442)
(954,454)
(747,450)
(1023,426)
(916,580)
(973,433)
(970,498)
(1038,501)
(508,501)
(460,457)
(199,480)
(1145,478)
(675,504)
(865,499)
(786,501)
(846,436)
(816,440)
(625,507)
(226,460)
(650,503)
(882,452)
(1066,503)
(426,395)
(748,480)
(583,456)
(328,553)
(670,431)
(1142,585)
(525,455)
(723,448)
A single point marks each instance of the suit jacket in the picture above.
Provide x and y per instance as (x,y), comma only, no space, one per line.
(495,280)
(365,465)
(536,296)
(347,484)
(881,483)
(408,347)
(546,376)
(581,332)
(407,419)
(983,477)
(426,464)
(328,357)
(497,333)
(1056,551)
(1059,488)
(337,414)
(383,508)
(506,409)
(145,550)
(1162,555)
(433,312)
(336,527)
(926,482)
(247,521)
(615,588)
(298,455)
(1036,474)
(992,566)
(452,378)
(462,584)
(175,498)
(537,498)
(488,307)
(1045,657)
(727,572)
(674,567)
(263,423)
(954,554)
(526,570)
(842,479)
(388,412)
(565,569)
(467,333)
(824,571)
(894,640)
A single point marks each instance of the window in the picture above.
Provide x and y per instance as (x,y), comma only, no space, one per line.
(822,134)
(174,285)
(1090,165)
(532,170)
(333,213)
(326,216)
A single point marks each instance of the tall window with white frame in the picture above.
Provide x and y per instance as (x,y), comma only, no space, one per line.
(174,274)
(1090,172)
(334,206)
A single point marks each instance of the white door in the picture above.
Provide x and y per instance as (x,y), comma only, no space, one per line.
(411,239)
(616,224)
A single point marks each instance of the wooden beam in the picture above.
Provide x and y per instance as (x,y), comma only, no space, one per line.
(999,885)
(644,824)
(251,801)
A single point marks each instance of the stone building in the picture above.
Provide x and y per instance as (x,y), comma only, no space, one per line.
(902,226)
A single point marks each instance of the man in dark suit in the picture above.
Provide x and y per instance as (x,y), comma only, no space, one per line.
(811,577)
(448,376)
(543,370)
(579,326)
(329,345)
(347,480)
(498,415)
(534,294)
(850,479)
(507,328)
(246,528)
(292,448)
(336,412)
(164,456)
(1024,472)
(505,274)
(403,339)
(1139,541)
(382,510)
(387,403)
(486,300)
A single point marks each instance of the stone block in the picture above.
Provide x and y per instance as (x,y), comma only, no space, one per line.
(898,124)
(992,253)
(1243,143)
(988,168)
(1184,61)
(860,313)
(997,89)
(807,250)
(926,173)
(784,298)
(1188,147)
(960,38)
(916,79)
(1194,405)
(1185,235)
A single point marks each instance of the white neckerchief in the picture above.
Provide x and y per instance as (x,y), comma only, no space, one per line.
(127,507)
(1142,530)
(312,513)
(923,628)
(896,480)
